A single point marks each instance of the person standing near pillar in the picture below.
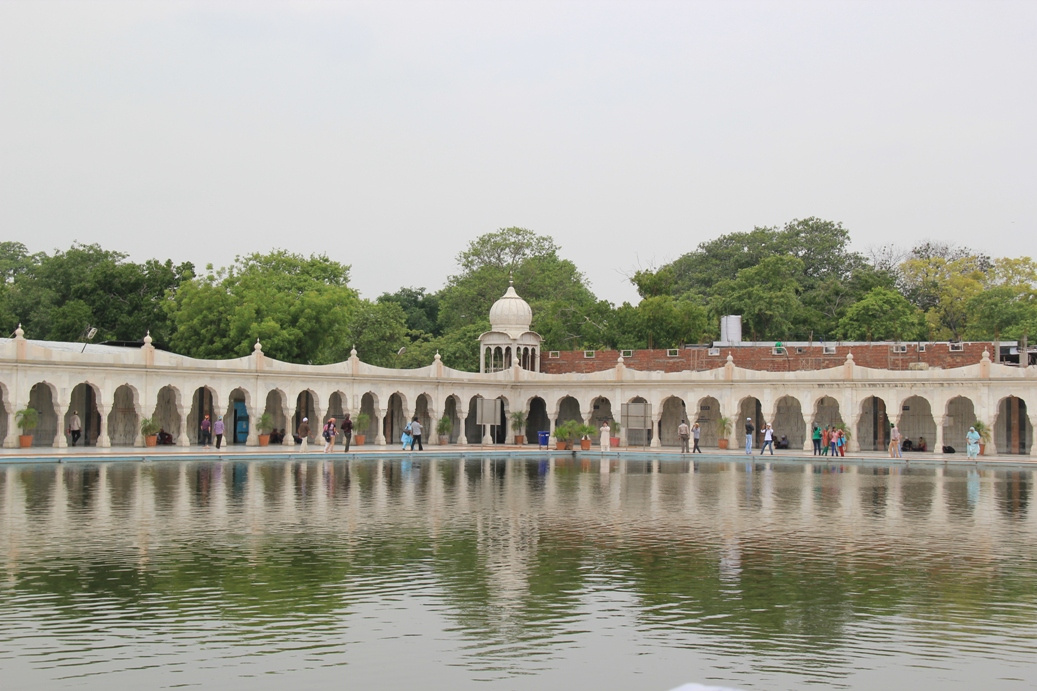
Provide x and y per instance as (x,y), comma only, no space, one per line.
(768,440)
(347,431)
(75,427)
(206,428)
(606,436)
(218,429)
(683,433)
(749,429)
(303,432)
(816,436)
(415,431)
(329,433)
(894,442)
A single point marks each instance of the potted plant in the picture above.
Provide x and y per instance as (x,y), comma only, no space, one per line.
(361,423)
(586,432)
(614,437)
(723,430)
(518,426)
(264,425)
(27,419)
(149,427)
(984,435)
(566,433)
(443,428)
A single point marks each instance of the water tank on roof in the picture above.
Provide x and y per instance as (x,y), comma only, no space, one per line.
(731,328)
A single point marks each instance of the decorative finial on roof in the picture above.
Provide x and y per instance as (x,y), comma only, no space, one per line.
(986,355)
(352,353)
(257,348)
(19,333)
(147,338)
(730,358)
(438,358)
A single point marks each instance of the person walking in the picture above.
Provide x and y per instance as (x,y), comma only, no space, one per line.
(329,433)
(75,427)
(972,443)
(684,433)
(749,429)
(304,433)
(606,437)
(833,440)
(415,432)
(218,429)
(206,428)
(817,440)
(768,440)
(696,432)
(347,431)
(894,442)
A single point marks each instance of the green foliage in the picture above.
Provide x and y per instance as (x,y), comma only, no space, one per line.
(881,315)
(518,421)
(767,297)
(420,309)
(149,427)
(27,419)
(377,330)
(982,430)
(297,307)
(444,426)
(571,430)
(58,297)
(265,423)
(561,302)
(362,423)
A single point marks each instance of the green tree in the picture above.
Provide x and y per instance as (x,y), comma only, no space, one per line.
(420,309)
(557,292)
(942,288)
(297,307)
(766,295)
(882,315)
(57,297)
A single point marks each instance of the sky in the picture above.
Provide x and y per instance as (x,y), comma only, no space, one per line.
(388,135)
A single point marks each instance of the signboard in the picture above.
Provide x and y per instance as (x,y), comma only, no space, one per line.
(488,411)
(637,420)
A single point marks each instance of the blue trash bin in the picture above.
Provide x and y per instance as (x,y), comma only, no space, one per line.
(544,438)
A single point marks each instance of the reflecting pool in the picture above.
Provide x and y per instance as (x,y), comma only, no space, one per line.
(516,574)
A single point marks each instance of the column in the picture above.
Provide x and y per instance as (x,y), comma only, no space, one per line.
(462,438)
(103,442)
(11,441)
(380,415)
(253,434)
(60,440)
(808,441)
(183,439)
(938,444)
(657,416)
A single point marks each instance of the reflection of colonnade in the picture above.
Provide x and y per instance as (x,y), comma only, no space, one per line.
(113,388)
(509,505)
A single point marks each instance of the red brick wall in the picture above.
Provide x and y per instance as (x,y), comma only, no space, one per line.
(874,355)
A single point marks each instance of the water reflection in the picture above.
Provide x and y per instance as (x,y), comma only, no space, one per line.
(631,573)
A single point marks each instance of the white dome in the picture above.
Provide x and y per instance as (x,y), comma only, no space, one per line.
(511,313)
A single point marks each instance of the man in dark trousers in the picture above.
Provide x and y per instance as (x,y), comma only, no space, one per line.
(415,431)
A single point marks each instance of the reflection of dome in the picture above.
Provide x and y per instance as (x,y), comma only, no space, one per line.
(511,314)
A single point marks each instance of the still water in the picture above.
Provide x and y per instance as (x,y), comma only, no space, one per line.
(516,574)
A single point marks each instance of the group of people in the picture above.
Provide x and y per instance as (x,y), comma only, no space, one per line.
(686,434)
(210,428)
(829,440)
(329,433)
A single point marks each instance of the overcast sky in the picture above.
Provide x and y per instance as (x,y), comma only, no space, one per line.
(390,134)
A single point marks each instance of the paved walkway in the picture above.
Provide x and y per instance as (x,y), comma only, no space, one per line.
(44,454)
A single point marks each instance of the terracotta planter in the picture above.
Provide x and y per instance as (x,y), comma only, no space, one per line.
(722,443)
(982,449)
(151,440)
(520,439)
(444,439)
(561,446)
(614,442)
(359,439)
(25,440)
(585,444)
(264,439)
